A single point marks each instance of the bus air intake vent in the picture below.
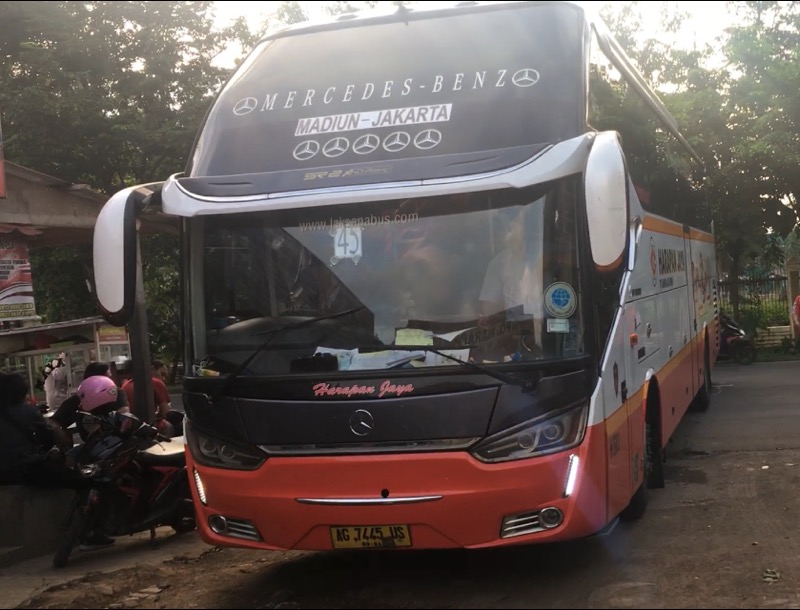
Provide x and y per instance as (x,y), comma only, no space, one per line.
(242,529)
(234,528)
(531,522)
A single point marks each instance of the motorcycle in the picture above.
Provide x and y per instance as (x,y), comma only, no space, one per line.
(134,483)
(735,343)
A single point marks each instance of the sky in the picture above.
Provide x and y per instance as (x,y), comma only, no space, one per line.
(706,20)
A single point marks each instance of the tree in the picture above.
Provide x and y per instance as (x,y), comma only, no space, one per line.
(109,94)
(735,117)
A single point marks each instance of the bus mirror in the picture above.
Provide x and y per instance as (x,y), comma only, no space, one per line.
(605,185)
(115,246)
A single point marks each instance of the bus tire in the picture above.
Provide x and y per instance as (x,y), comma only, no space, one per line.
(654,457)
(702,401)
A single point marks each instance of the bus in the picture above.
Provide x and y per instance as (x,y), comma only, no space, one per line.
(428,301)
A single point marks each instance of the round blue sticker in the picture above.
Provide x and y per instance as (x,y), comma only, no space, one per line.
(560,300)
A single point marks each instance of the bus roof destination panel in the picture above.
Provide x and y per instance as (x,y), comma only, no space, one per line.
(469,86)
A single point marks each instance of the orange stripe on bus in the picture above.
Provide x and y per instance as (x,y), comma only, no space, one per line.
(662,225)
(668,227)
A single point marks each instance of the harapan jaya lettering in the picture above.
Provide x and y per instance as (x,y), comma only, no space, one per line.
(671,261)
(386,388)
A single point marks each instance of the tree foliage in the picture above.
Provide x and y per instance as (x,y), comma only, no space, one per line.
(112,93)
(737,106)
(108,94)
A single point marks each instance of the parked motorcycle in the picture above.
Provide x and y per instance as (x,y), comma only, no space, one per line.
(136,481)
(735,343)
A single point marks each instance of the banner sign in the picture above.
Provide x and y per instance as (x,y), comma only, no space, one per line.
(111,334)
(16,285)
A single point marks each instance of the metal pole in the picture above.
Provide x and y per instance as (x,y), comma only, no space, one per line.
(144,404)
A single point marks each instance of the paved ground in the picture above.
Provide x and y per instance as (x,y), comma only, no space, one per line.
(724,533)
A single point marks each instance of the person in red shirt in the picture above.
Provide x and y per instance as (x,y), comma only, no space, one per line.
(161,398)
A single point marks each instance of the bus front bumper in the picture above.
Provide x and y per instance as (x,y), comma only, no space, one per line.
(426,500)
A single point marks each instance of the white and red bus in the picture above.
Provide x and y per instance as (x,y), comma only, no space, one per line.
(424,305)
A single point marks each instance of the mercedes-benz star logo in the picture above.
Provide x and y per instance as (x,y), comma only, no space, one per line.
(366,144)
(397,141)
(305,150)
(336,147)
(246,105)
(361,422)
(430,138)
(527,77)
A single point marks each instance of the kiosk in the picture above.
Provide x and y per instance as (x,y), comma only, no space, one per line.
(25,350)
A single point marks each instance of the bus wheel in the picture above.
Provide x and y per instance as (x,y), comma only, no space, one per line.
(703,399)
(654,471)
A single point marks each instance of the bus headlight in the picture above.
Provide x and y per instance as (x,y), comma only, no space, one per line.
(217,453)
(556,431)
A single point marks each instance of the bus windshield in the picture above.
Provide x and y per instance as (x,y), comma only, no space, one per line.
(487,277)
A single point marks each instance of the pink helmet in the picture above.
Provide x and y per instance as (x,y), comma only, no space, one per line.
(96,392)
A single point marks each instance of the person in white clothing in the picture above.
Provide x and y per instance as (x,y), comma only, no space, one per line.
(513,278)
(56,382)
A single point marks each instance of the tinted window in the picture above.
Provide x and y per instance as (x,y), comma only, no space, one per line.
(397,100)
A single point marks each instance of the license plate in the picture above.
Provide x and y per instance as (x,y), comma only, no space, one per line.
(370,536)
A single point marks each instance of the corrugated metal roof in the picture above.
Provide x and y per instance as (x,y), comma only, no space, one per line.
(52,326)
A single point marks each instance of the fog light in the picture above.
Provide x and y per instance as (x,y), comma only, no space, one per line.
(201,489)
(550,517)
(218,524)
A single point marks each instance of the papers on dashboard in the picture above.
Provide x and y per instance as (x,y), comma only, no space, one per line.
(353,360)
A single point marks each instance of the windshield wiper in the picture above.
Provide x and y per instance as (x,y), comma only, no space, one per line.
(274,332)
(527,385)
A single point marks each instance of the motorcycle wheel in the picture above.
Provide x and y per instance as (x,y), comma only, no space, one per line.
(184,526)
(74,529)
(744,353)
(185,522)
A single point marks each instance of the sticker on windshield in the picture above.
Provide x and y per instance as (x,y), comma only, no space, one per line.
(346,244)
(560,300)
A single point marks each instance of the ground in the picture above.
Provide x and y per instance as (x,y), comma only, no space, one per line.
(722,534)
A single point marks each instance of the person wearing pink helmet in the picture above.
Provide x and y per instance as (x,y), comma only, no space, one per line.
(98,395)
(66,415)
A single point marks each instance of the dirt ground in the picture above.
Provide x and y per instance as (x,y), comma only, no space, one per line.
(724,533)
(729,546)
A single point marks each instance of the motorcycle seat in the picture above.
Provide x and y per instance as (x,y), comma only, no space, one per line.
(165,454)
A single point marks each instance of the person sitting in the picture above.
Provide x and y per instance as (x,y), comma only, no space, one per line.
(161,398)
(512,292)
(513,277)
(66,415)
(28,455)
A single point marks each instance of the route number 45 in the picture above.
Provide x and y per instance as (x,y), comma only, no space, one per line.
(346,244)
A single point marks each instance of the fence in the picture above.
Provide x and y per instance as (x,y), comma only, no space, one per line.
(763,301)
